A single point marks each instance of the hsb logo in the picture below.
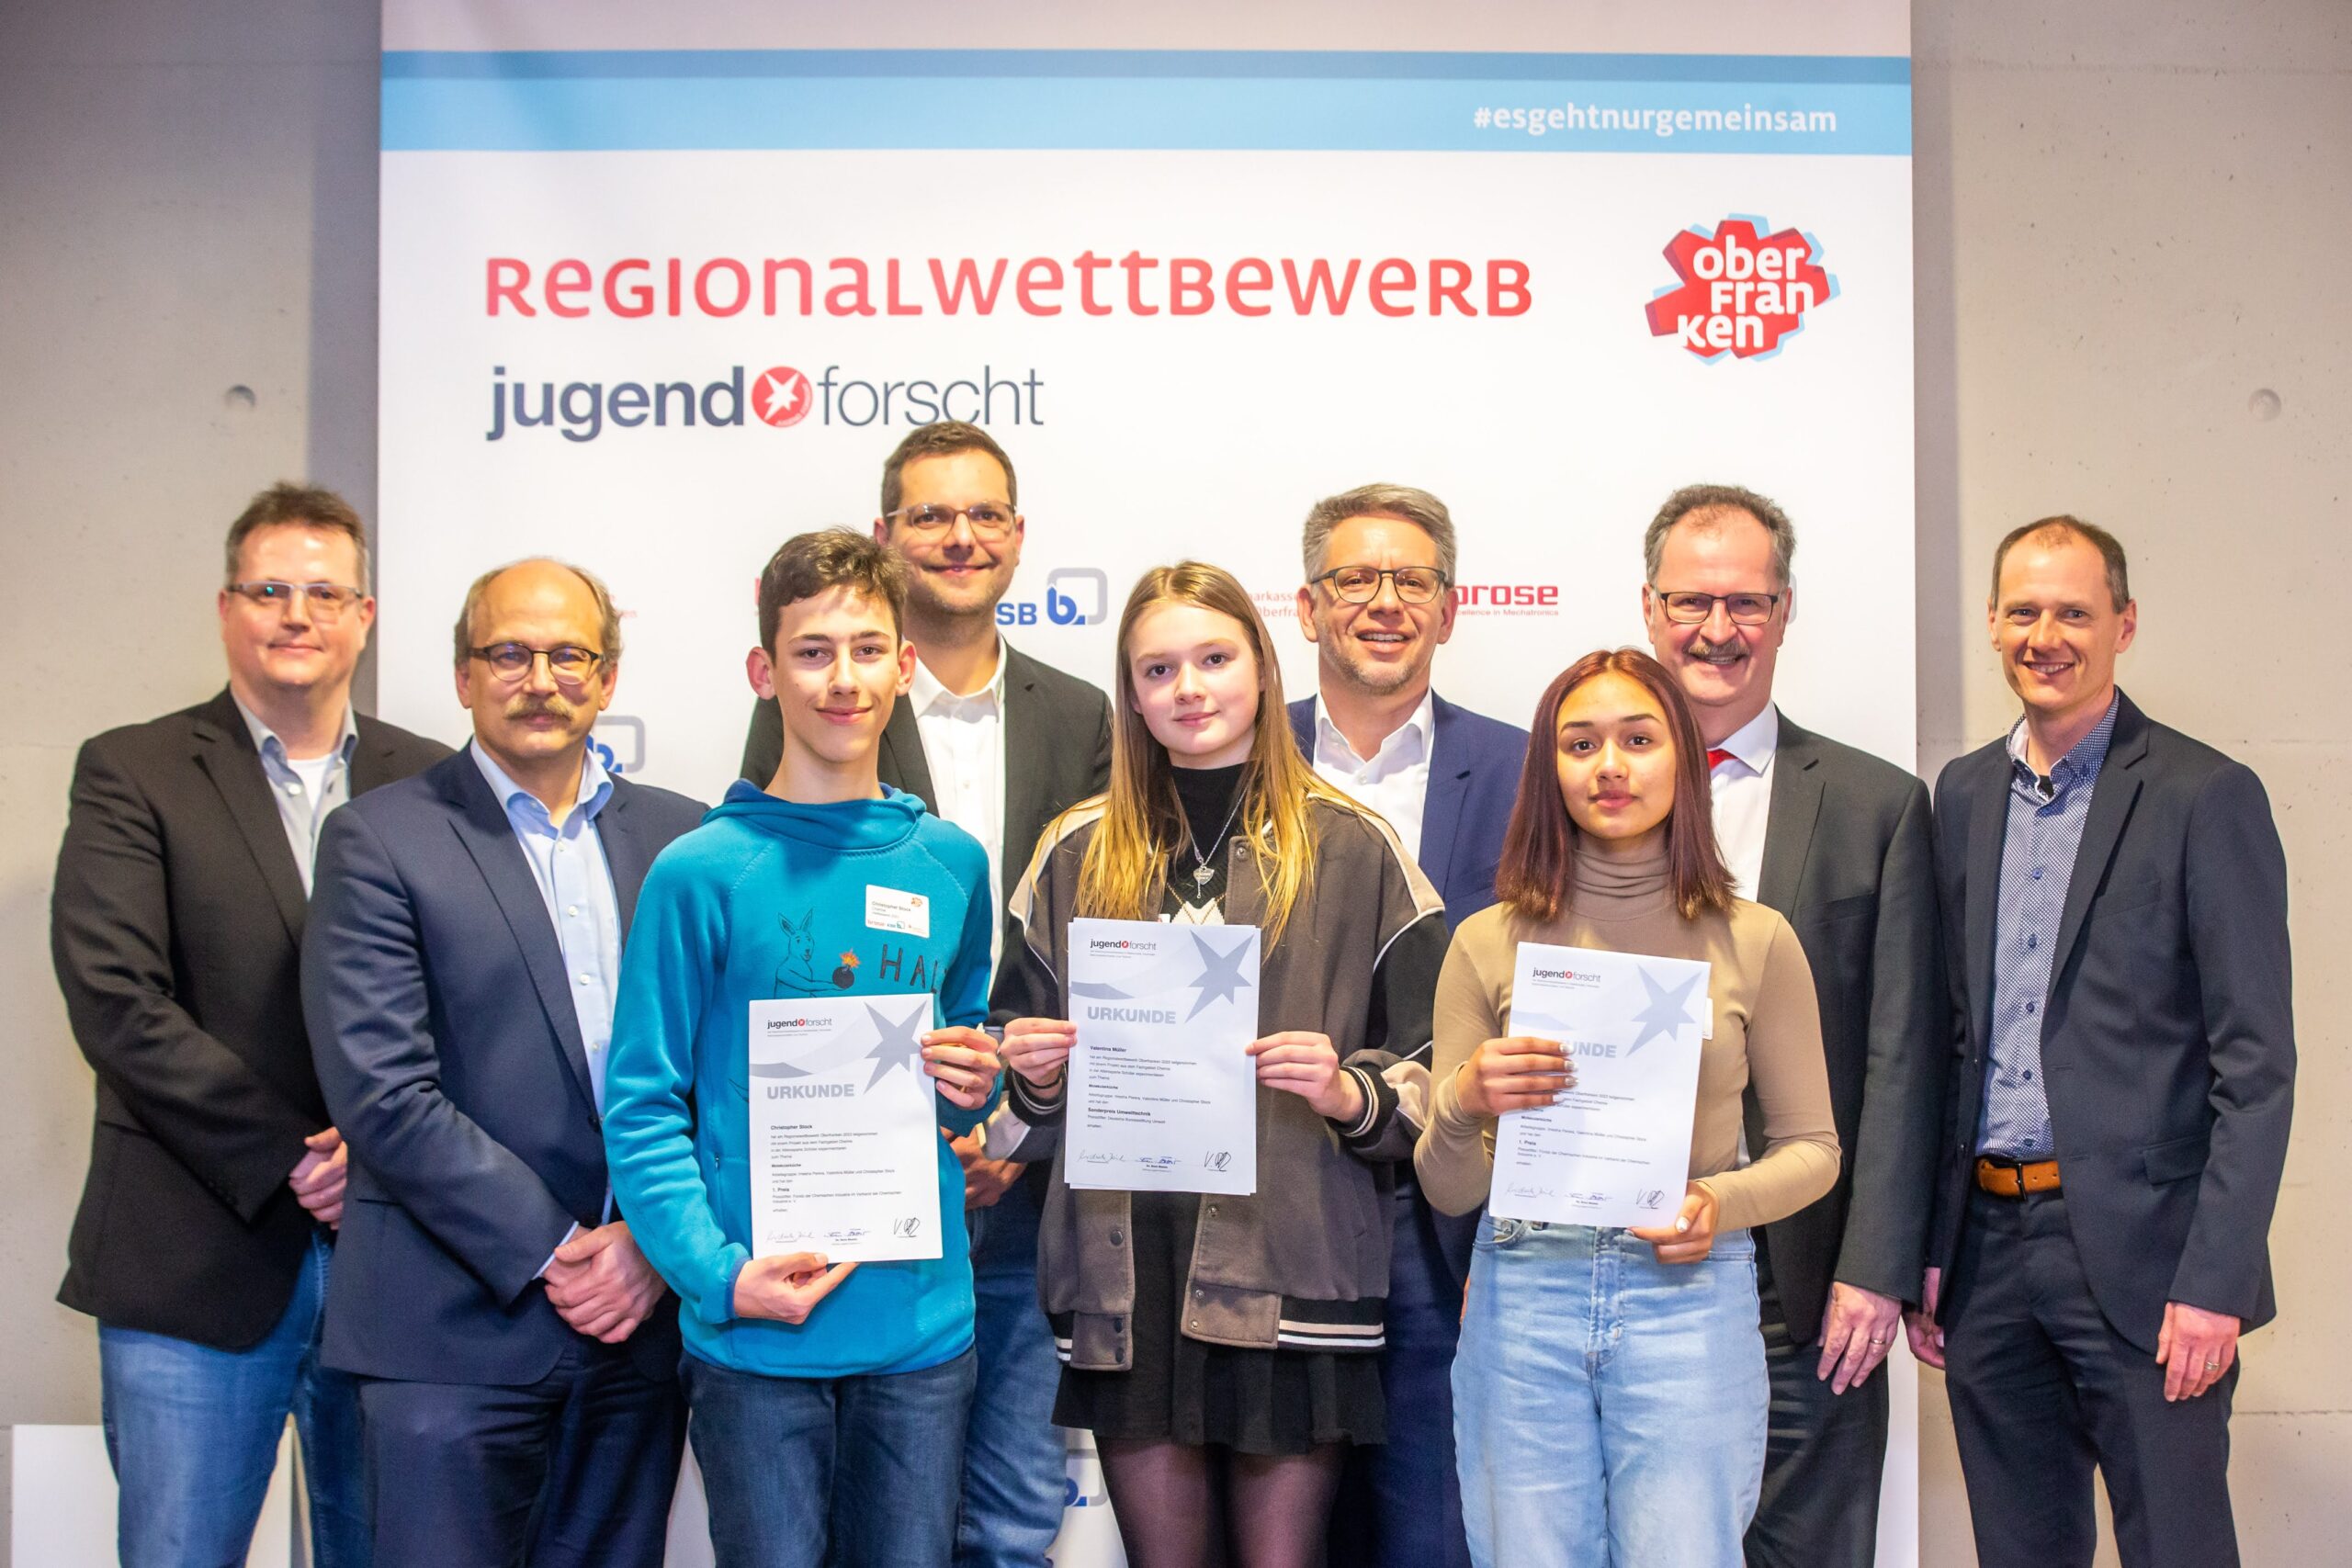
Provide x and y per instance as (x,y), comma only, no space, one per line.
(1075,596)
(1739,294)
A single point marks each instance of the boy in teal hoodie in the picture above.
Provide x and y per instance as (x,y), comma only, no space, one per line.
(829,1401)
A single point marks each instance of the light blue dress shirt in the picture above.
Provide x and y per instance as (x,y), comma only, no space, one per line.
(2044,831)
(301,809)
(567,862)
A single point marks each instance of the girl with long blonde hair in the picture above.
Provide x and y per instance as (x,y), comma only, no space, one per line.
(1223,1350)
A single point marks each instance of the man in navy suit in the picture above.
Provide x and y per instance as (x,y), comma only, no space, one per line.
(2123,1076)
(518,1354)
(1378,601)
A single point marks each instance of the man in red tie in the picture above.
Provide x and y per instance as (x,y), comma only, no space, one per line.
(1840,843)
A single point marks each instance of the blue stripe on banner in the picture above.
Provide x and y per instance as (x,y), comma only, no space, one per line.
(807,100)
(1354,65)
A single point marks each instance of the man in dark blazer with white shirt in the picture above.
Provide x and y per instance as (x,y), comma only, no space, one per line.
(1840,843)
(518,1356)
(204,1238)
(2121,1077)
(1379,602)
(999,744)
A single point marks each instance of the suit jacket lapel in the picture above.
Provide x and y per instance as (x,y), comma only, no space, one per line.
(1988,817)
(1789,819)
(900,761)
(372,759)
(626,853)
(2112,800)
(225,751)
(1026,745)
(1442,813)
(479,821)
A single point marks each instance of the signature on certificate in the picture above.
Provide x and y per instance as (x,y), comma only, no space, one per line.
(1218,1159)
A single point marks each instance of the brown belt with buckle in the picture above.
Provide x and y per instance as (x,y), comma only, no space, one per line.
(2013,1178)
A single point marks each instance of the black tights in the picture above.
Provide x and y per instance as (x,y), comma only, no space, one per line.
(1184,1506)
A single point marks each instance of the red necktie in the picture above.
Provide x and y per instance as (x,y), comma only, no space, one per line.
(1717,757)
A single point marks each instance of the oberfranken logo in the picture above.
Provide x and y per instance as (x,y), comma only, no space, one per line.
(780,397)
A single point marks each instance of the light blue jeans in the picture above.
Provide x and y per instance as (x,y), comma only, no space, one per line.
(1609,1410)
(193,1433)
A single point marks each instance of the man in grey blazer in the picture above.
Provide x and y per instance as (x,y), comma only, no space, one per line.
(2121,1080)
(999,744)
(1839,842)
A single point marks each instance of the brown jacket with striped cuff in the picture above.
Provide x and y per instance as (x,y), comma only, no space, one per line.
(1303,1263)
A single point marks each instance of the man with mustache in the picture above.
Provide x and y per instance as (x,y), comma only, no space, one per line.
(217,1178)
(518,1354)
(1839,842)
(1378,601)
(999,744)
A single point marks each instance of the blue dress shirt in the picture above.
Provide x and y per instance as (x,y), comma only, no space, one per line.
(2044,832)
(301,809)
(567,862)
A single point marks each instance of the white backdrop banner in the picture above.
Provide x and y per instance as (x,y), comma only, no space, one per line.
(656,310)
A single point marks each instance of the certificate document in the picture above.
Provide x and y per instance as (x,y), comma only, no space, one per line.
(1163,1094)
(844,1130)
(1616,1149)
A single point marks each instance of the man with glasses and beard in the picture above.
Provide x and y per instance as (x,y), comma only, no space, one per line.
(1378,601)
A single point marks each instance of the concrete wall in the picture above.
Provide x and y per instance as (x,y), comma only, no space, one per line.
(2131,214)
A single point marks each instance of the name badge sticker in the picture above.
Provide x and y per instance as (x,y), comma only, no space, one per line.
(888,909)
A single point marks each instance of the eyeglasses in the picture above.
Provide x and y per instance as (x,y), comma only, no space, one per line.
(1744,609)
(512,661)
(324,601)
(989,519)
(1360,584)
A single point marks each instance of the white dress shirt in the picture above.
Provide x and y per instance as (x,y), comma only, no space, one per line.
(305,788)
(1743,791)
(1395,781)
(963,744)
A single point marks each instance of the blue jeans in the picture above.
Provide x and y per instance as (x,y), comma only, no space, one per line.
(831,1473)
(192,1433)
(1607,1409)
(1015,1468)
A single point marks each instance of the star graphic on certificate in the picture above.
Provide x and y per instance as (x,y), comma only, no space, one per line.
(898,1039)
(1667,1011)
(1221,974)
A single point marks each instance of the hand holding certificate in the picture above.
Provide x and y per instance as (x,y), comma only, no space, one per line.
(1612,1147)
(1163,1090)
(845,1129)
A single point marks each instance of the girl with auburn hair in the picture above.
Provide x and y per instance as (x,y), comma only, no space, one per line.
(1223,1350)
(1609,1393)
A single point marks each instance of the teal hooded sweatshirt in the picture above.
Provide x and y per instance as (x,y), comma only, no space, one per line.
(767,899)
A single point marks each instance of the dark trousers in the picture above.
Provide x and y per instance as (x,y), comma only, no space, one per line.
(1399,1503)
(831,1472)
(1823,1454)
(577,1468)
(2043,1390)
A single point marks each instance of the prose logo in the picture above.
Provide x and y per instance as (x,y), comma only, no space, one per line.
(780,397)
(1739,294)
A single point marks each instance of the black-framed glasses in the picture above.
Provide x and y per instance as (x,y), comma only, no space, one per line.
(1360,584)
(1744,609)
(989,519)
(324,601)
(511,662)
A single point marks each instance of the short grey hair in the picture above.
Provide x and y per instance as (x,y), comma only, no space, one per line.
(1401,502)
(1691,500)
(608,618)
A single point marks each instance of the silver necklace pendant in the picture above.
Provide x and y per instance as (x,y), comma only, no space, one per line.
(1202,874)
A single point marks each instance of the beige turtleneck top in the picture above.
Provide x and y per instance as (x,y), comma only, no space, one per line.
(1767,1031)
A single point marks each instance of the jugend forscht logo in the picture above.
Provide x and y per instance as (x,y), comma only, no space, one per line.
(1740,295)
(776,397)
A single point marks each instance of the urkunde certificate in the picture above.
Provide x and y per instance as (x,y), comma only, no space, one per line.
(1163,1094)
(1615,1148)
(845,1131)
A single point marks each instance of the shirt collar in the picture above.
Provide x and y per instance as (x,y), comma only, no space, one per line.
(595,786)
(1754,743)
(1413,740)
(929,696)
(2082,762)
(266,741)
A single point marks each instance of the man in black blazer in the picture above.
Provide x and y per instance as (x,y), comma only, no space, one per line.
(2121,1082)
(518,1354)
(215,1179)
(999,744)
(1379,602)
(1839,842)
